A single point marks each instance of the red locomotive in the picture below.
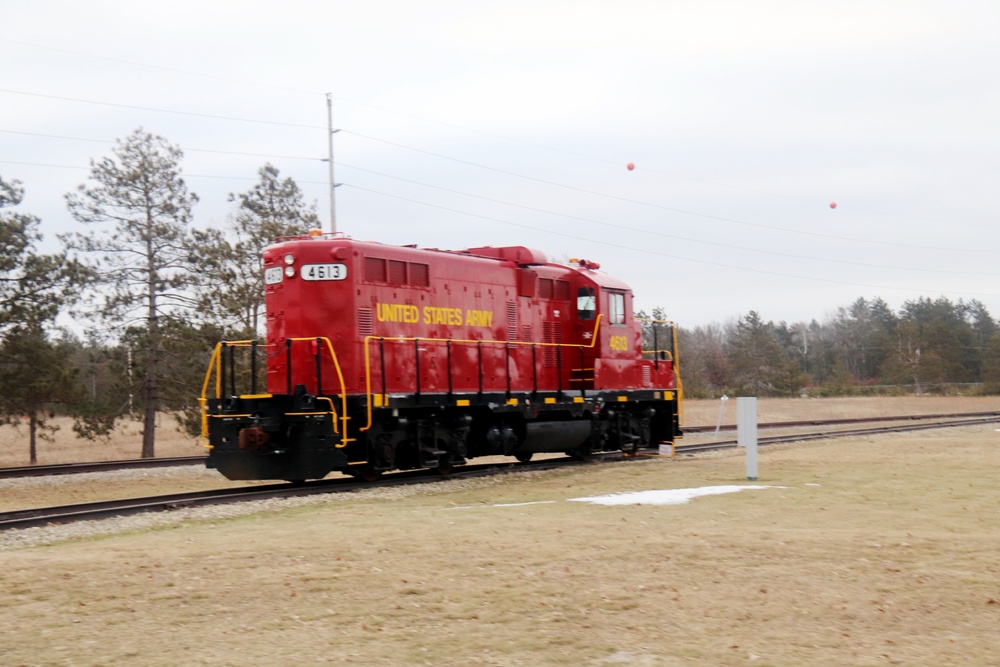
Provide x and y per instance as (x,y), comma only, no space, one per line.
(381,357)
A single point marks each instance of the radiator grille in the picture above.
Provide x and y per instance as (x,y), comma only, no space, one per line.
(365,322)
(551,333)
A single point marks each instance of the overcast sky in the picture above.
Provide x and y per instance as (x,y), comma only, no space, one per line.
(468,123)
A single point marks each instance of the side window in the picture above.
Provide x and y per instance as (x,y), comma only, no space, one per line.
(375,270)
(616,308)
(586,303)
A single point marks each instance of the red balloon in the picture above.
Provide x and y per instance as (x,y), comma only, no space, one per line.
(833,204)
(630,166)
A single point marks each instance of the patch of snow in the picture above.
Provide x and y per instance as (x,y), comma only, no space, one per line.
(665,497)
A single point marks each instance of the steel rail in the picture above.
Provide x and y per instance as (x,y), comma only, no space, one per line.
(846,420)
(97,466)
(43,516)
(824,435)
(63,514)
(129,464)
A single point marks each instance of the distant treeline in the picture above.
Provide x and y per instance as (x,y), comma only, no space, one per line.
(927,346)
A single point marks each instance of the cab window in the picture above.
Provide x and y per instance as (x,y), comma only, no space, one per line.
(616,308)
(586,303)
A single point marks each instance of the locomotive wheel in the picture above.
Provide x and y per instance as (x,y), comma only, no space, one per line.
(445,468)
(523,457)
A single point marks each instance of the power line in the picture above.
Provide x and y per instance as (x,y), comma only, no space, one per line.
(170,111)
(522,176)
(658,253)
(186,150)
(616,226)
(204,75)
(183,174)
(564,215)
(665,235)
(672,209)
(41,164)
(445,124)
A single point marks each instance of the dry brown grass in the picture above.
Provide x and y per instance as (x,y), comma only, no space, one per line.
(876,551)
(124,443)
(706,412)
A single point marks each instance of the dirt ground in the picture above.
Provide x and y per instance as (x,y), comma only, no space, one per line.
(864,551)
(126,443)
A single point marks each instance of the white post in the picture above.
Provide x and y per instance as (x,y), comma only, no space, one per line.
(722,407)
(746,432)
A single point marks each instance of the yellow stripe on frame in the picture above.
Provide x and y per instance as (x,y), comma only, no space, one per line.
(511,401)
(549,400)
(578,399)
(462,402)
(622,399)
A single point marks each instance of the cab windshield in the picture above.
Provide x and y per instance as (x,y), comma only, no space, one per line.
(586,303)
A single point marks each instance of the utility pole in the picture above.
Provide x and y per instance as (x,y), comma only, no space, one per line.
(333,185)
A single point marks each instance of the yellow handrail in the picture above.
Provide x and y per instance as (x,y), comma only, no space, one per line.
(215,364)
(203,399)
(368,339)
(677,367)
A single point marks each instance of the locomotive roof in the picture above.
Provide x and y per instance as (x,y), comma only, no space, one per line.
(519,255)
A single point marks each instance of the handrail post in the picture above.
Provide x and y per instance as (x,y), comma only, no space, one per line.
(507,366)
(381,358)
(222,369)
(479,349)
(534,372)
(416,354)
(583,374)
(450,388)
(253,367)
(319,366)
(232,368)
(559,371)
(656,349)
(288,365)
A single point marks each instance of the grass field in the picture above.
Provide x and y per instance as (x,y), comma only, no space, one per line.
(864,551)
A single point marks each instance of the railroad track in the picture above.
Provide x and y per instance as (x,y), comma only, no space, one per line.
(97,466)
(105,466)
(62,514)
(822,435)
(855,420)
(43,516)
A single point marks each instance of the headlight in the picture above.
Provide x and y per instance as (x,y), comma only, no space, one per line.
(289,259)
(290,271)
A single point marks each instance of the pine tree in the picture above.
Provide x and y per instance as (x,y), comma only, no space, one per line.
(36,376)
(231,279)
(33,287)
(142,260)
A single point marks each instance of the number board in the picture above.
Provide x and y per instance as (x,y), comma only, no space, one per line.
(324,272)
(273,275)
